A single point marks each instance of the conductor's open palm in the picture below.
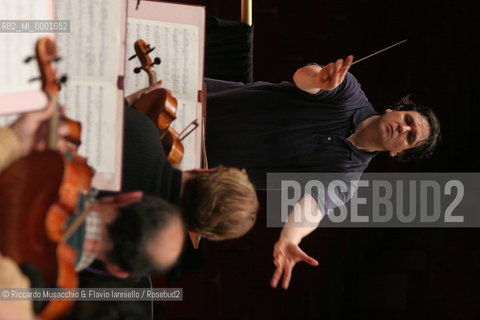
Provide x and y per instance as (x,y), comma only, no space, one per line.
(285,255)
(333,74)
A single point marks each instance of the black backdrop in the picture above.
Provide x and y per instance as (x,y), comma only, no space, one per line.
(363,273)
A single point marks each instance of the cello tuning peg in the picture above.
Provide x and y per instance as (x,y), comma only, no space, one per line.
(150,50)
(157,60)
(137,70)
(28,59)
(56,59)
(63,79)
(132,57)
(34,79)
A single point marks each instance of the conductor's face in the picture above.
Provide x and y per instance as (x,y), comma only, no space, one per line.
(402,130)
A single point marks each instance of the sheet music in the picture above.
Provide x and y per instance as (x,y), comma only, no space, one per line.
(90,53)
(177,46)
(14,48)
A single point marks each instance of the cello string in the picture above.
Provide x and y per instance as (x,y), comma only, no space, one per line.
(76,224)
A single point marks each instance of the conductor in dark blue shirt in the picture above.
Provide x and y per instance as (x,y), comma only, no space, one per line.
(323,122)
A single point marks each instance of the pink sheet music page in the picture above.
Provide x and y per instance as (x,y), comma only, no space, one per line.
(177,32)
(93,59)
(17,92)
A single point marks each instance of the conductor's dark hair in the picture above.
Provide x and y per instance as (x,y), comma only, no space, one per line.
(427,146)
(135,225)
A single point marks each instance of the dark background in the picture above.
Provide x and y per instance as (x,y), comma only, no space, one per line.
(363,273)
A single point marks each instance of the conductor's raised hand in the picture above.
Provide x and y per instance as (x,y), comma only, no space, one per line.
(285,255)
(333,73)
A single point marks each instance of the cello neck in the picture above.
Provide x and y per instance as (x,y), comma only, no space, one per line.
(53,124)
(152,77)
(46,54)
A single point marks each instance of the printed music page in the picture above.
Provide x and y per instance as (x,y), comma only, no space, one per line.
(93,58)
(17,93)
(177,33)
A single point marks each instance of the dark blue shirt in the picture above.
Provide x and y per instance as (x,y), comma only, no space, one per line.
(266,127)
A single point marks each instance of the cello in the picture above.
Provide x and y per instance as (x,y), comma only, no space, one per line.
(39,192)
(160,108)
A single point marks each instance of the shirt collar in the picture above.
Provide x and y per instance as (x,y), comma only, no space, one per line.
(358,117)
(91,241)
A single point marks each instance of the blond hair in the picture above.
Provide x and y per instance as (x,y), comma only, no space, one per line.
(221,204)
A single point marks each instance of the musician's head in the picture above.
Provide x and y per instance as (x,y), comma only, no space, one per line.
(406,131)
(142,237)
(220,203)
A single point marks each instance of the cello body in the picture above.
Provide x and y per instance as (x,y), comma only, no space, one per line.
(159,106)
(39,192)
